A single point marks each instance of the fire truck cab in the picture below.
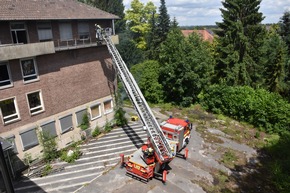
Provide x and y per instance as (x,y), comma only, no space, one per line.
(177,131)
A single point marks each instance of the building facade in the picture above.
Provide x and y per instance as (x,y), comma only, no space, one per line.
(52,72)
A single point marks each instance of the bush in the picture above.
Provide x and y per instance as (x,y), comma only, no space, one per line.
(120,117)
(46,170)
(108,127)
(49,146)
(265,110)
(70,158)
(96,132)
(76,153)
(85,122)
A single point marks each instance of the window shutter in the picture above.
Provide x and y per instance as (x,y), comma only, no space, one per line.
(66,123)
(29,139)
(49,128)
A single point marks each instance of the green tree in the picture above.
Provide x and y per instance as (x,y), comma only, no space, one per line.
(160,25)
(49,145)
(285,28)
(138,20)
(186,67)
(112,6)
(239,44)
(129,51)
(275,58)
(163,24)
(147,74)
(152,38)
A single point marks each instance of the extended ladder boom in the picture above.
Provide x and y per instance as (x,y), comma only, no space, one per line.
(156,136)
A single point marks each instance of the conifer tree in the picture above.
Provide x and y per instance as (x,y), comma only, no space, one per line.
(275,54)
(163,24)
(285,28)
(239,44)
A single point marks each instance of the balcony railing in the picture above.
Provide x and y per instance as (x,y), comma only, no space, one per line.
(80,43)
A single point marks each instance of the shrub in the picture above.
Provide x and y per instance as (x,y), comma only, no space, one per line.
(49,145)
(85,122)
(96,132)
(46,170)
(120,117)
(108,127)
(76,153)
(265,110)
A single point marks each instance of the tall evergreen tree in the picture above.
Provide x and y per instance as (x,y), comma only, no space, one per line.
(238,46)
(285,28)
(163,24)
(112,6)
(275,54)
(152,38)
(160,27)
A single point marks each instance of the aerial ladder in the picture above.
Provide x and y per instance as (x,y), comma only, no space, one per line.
(151,159)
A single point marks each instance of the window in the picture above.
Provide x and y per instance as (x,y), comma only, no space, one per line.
(108,106)
(83,30)
(35,102)
(44,31)
(29,70)
(66,123)
(65,31)
(9,110)
(18,32)
(95,111)
(29,138)
(80,114)
(11,139)
(5,80)
(49,128)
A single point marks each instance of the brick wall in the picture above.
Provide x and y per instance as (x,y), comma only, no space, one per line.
(66,79)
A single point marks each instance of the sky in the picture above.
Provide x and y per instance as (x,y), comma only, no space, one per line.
(207,12)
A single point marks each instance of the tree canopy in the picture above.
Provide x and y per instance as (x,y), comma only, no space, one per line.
(239,43)
(138,20)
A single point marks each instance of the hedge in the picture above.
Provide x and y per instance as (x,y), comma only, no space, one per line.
(267,111)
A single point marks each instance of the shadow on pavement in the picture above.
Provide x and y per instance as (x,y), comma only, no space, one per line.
(134,137)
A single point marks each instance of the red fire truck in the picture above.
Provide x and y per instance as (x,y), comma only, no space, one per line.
(152,158)
(177,131)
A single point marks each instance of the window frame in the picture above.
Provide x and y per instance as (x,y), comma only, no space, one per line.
(40,106)
(82,31)
(111,109)
(15,30)
(31,145)
(100,113)
(44,28)
(6,63)
(16,109)
(31,75)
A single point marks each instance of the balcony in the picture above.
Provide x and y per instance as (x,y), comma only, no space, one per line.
(16,51)
(78,43)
